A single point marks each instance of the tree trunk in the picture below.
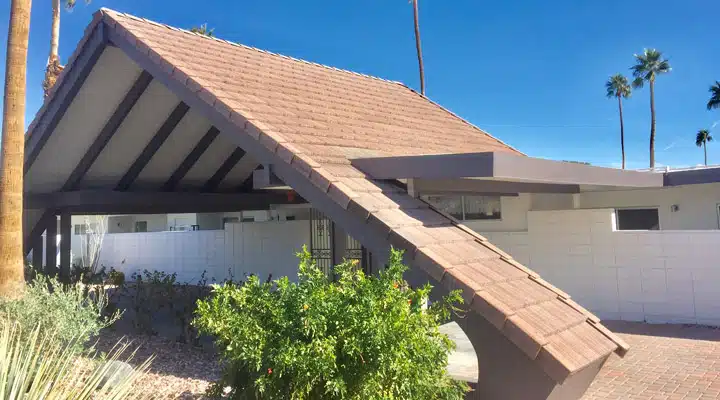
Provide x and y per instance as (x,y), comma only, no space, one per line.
(12,278)
(652,122)
(55,32)
(53,68)
(419,47)
(622,132)
(705,150)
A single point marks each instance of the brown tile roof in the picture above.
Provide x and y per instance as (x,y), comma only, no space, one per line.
(315,118)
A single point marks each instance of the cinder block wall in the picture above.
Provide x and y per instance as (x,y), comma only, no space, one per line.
(653,276)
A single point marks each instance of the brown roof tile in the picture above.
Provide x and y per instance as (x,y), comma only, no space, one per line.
(317,118)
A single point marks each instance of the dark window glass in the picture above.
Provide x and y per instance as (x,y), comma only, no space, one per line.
(638,219)
(140,226)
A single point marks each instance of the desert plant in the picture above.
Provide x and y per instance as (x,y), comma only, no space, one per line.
(355,337)
(35,364)
(73,313)
(701,140)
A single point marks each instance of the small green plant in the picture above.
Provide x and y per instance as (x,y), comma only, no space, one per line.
(116,277)
(72,313)
(35,365)
(356,337)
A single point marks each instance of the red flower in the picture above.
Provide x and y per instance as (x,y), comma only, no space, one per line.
(269,370)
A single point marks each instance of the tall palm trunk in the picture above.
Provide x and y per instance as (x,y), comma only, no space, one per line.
(53,68)
(13,141)
(705,150)
(419,47)
(652,122)
(622,132)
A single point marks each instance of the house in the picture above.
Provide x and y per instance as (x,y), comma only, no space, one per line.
(151,119)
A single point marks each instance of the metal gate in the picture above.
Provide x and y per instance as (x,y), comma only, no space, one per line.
(321,240)
(322,244)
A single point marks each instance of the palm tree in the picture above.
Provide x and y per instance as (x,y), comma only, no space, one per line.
(702,139)
(418,46)
(647,67)
(12,277)
(714,101)
(618,86)
(53,67)
(203,30)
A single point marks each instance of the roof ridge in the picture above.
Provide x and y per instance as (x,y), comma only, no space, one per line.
(456,116)
(347,71)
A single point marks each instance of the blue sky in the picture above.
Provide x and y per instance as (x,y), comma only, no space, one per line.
(529,72)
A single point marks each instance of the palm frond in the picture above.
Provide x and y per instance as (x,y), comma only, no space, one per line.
(714,101)
(648,65)
(703,136)
(617,86)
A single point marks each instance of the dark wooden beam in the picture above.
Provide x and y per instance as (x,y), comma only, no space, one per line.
(116,201)
(37,253)
(153,146)
(191,159)
(37,230)
(212,184)
(65,246)
(107,132)
(72,81)
(51,245)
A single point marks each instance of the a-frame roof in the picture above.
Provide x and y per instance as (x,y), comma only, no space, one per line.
(308,121)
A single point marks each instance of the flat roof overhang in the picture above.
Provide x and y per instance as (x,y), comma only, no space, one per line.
(528,174)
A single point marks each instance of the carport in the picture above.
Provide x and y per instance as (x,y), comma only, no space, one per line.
(150,118)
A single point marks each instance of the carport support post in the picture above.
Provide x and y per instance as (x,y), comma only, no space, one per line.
(51,246)
(65,246)
(37,253)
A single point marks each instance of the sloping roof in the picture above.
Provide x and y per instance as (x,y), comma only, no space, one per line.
(314,118)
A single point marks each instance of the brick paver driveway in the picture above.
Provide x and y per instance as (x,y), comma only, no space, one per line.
(665,362)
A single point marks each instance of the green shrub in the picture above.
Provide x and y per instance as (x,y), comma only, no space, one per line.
(116,277)
(35,365)
(358,337)
(73,313)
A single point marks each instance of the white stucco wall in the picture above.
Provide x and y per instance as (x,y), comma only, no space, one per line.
(653,276)
(697,204)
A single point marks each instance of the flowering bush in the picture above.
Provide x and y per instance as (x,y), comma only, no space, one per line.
(357,337)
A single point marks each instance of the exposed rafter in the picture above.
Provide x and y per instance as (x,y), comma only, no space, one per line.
(212,184)
(191,159)
(153,146)
(102,139)
(72,80)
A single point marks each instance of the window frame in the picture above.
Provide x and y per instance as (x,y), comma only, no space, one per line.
(617,218)
(426,197)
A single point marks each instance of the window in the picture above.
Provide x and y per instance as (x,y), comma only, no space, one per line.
(230,220)
(467,208)
(80,229)
(140,226)
(638,219)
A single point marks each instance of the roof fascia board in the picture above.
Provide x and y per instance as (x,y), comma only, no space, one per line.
(512,167)
(692,177)
(377,243)
(502,166)
(69,84)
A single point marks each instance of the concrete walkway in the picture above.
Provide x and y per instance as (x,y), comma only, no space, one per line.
(668,362)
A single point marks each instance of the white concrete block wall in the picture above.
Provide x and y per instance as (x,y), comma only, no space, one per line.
(259,248)
(653,276)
